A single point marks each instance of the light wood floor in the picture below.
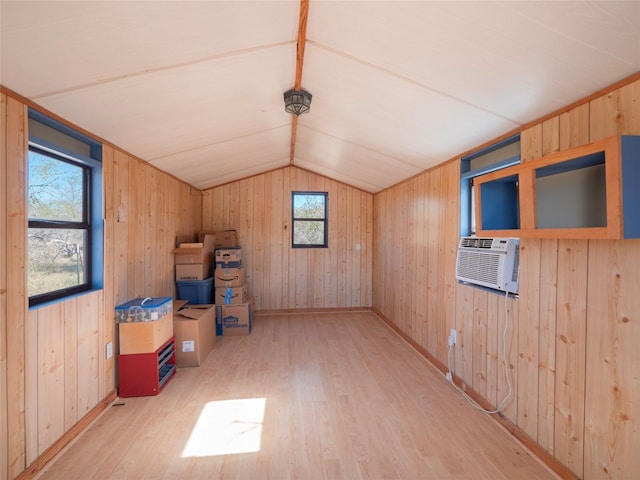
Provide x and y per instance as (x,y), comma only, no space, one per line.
(313,396)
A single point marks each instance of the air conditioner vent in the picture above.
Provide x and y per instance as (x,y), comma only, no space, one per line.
(516,266)
(490,262)
(473,242)
(469,242)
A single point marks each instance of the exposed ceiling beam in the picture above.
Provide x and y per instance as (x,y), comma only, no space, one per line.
(302,39)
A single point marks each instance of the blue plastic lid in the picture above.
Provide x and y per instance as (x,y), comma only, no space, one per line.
(148,302)
(191,283)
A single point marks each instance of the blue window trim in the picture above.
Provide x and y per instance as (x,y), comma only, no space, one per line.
(466,160)
(63,152)
(94,162)
(491,168)
(467,175)
(94,145)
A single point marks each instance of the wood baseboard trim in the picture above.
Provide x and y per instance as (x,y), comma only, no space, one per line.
(49,454)
(421,350)
(302,311)
(545,457)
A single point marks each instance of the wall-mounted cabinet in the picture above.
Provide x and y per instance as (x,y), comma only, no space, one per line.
(499,198)
(592,191)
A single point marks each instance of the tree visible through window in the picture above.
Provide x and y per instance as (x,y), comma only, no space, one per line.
(59,225)
(309,219)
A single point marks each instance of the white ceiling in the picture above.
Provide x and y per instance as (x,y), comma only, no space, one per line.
(195,88)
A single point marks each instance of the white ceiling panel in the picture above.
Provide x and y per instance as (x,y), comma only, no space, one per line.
(347,162)
(195,87)
(518,60)
(180,109)
(79,43)
(609,27)
(231,160)
(385,113)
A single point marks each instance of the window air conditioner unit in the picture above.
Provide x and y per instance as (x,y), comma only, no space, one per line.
(490,262)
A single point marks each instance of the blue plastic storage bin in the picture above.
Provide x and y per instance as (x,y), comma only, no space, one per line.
(147,309)
(198,292)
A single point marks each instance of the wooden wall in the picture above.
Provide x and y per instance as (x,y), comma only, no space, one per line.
(574,332)
(4,420)
(53,368)
(282,278)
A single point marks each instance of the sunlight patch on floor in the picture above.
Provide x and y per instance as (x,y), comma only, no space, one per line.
(226,427)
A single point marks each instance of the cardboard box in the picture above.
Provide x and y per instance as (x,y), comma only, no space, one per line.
(145,337)
(195,254)
(194,328)
(229,277)
(185,239)
(193,271)
(228,257)
(224,238)
(235,295)
(234,319)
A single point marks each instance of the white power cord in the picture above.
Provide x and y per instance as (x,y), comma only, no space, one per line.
(470,400)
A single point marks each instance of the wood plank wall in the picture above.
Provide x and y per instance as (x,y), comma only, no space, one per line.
(575,329)
(282,278)
(16,304)
(52,359)
(4,433)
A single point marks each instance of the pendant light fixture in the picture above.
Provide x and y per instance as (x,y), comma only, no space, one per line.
(297,101)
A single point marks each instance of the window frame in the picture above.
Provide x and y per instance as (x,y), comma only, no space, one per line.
(467,175)
(324,220)
(92,214)
(57,224)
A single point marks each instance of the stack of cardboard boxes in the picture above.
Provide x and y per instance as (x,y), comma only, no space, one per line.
(233,302)
(229,277)
(193,262)
(194,314)
(196,320)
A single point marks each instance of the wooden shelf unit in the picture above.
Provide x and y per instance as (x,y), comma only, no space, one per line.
(144,374)
(592,191)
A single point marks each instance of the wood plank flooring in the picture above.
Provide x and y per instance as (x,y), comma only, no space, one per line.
(305,396)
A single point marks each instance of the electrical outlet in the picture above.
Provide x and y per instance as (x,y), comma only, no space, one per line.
(109,350)
(453,336)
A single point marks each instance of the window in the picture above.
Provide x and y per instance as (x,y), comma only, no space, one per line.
(309,220)
(64,200)
(495,157)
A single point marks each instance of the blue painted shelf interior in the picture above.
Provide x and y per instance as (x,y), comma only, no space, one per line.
(500,204)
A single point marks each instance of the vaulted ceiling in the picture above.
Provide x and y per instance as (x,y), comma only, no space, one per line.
(195,87)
